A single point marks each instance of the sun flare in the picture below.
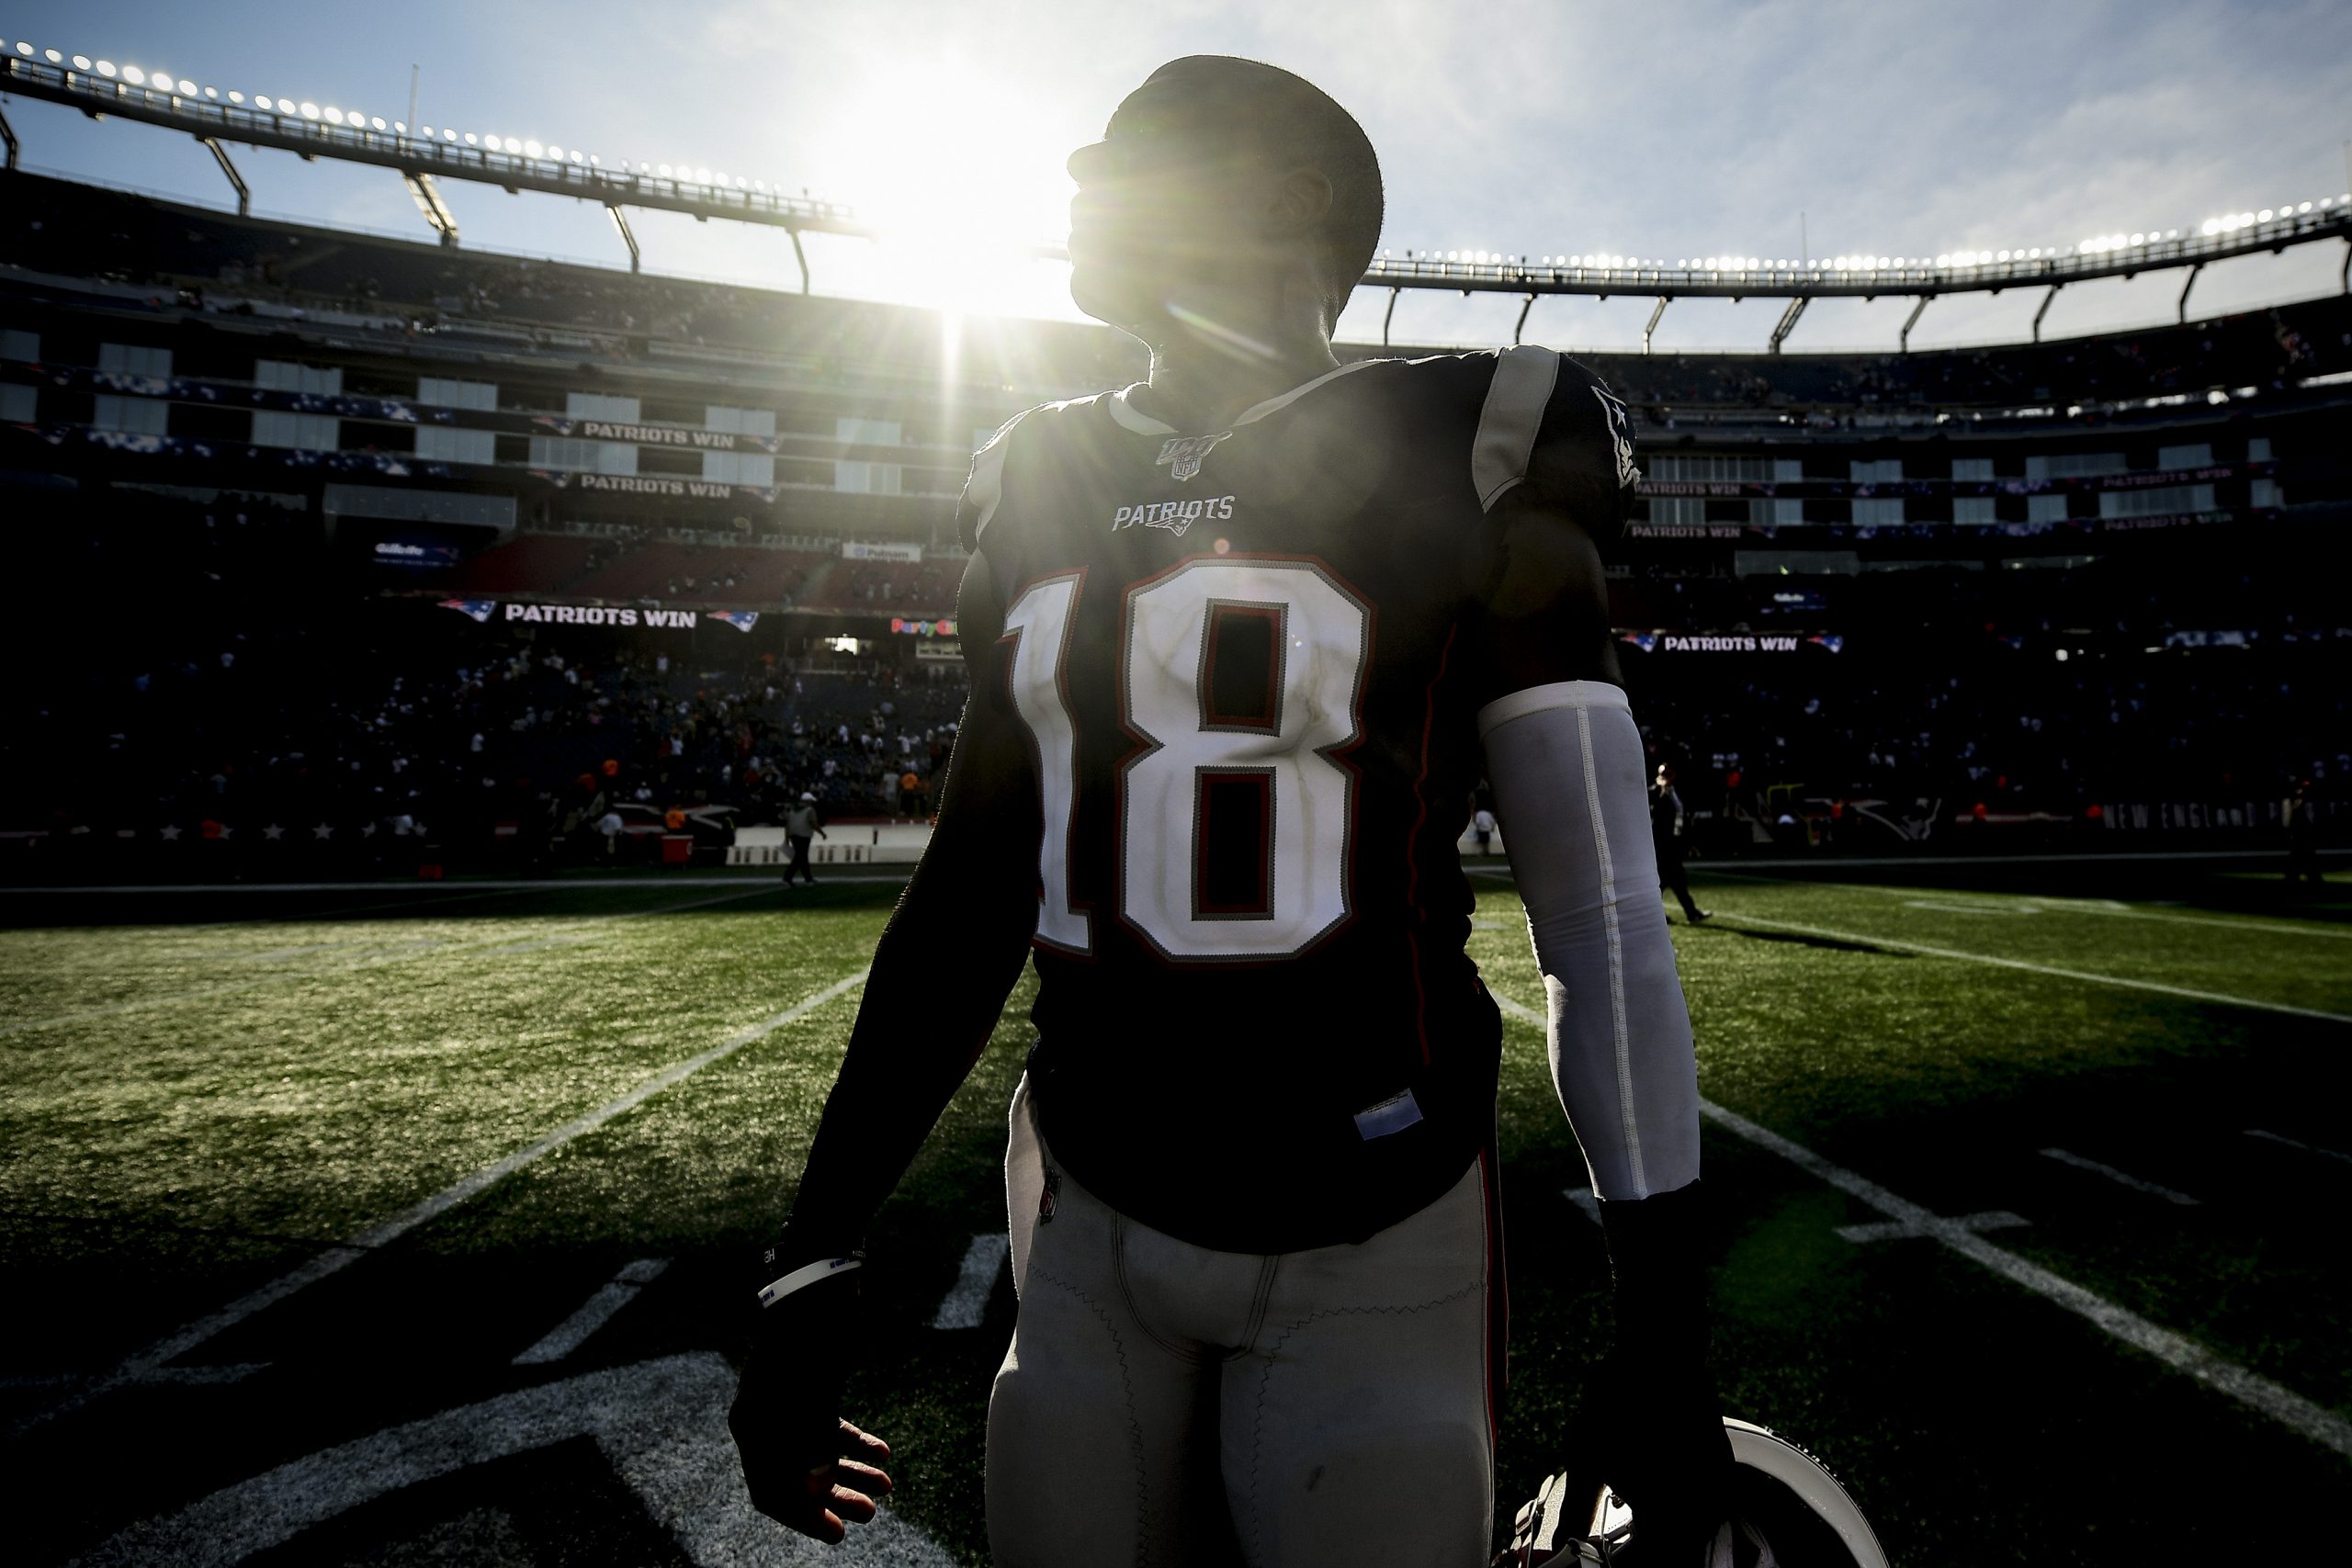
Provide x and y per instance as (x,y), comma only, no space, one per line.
(963,184)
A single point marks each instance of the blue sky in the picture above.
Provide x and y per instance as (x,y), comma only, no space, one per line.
(1657,129)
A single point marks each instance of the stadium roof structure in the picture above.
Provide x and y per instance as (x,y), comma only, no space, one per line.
(422,156)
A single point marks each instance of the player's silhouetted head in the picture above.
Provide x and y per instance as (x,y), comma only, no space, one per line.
(1218,174)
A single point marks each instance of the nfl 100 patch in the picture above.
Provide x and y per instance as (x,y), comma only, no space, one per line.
(1183,454)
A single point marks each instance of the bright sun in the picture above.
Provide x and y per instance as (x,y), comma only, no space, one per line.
(964,180)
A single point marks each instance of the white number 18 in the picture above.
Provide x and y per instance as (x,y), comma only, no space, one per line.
(1256,766)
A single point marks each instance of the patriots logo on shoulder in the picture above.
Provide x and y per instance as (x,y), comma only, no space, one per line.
(1183,454)
(1621,435)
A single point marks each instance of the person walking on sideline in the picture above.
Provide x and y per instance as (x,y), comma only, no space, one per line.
(2302,837)
(1665,837)
(799,824)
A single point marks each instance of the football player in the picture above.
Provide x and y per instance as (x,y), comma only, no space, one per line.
(1242,638)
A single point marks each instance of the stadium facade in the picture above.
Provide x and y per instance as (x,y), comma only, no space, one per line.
(1847,574)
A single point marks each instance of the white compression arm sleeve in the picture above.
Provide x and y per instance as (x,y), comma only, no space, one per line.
(1566,764)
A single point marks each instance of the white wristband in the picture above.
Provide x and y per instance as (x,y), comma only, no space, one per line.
(775,1290)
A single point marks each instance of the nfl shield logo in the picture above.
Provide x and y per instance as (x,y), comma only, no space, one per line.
(1183,454)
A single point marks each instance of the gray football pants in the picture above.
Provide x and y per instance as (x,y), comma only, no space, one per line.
(1166,1405)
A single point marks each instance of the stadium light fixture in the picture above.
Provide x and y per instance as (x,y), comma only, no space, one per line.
(532,148)
(81,62)
(24,48)
(471,140)
(104,68)
(308,109)
(135,76)
(331,115)
(53,57)
(399,128)
(236,97)
(2263,217)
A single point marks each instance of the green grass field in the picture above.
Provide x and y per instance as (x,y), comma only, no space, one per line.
(234,1331)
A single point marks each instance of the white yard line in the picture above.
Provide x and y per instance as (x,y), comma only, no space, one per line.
(2120,1179)
(2283,1406)
(366,959)
(335,1258)
(2297,1143)
(968,1299)
(2106,907)
(662,1424)
(2007,860)
(2064,974)
(1899,1229)
(1930,951)
(593,1313)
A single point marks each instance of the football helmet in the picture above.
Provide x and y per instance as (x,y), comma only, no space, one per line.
(1788,1512)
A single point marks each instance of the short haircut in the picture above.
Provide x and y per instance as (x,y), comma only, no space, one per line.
(1291,117)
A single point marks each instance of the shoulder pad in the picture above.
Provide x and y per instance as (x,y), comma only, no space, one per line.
(984,486)
(1553,426)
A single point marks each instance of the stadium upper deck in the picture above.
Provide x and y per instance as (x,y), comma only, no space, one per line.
(711,445)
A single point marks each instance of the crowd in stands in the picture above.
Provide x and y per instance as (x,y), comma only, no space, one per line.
(227,687)
(636,568)
(231,676)
(1972,695)
(467,744)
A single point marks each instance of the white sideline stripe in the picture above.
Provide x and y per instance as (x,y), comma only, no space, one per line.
(365,959)
(2065,1157)
(335,1258)
(593,1313)
(2006,860)
(2062,906)
(969,1297)
(203,1376)
(1896,1230)
(2295,1143)
(2156,985)
(2283,1406)
(1582,1197)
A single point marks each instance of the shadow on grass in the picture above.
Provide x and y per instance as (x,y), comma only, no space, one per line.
(1834,944)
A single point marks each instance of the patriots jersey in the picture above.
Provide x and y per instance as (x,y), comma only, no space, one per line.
(1248,663)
